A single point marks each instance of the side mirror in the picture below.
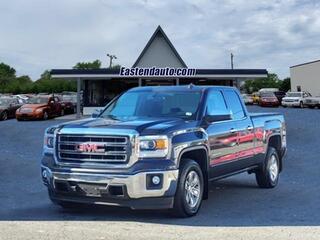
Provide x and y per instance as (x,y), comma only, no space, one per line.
(218,117)
(96,113)
(51,102)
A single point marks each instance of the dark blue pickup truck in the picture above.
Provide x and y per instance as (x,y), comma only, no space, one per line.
(159,147)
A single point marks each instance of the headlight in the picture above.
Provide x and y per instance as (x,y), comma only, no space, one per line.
(153,146)
(48,141)
(39,110)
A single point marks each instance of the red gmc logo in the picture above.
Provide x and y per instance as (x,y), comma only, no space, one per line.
(90,147)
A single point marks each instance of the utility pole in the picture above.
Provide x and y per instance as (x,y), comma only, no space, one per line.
(111,58)
(231,60)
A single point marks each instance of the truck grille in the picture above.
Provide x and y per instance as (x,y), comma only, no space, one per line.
(92,149)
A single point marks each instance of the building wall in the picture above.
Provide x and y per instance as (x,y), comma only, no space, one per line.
(159,54)
(307,76)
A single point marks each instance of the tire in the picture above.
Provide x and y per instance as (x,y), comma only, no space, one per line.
(4,116)
(268,175)
(311,107)
(301,105)
(185,203)
(45,115)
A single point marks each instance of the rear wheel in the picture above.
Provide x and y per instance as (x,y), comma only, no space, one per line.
(268,175)
(190,187)
(4,116)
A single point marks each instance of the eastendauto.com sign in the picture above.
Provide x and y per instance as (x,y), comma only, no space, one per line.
(154,71)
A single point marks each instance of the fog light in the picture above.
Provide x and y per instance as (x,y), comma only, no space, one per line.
(44,174)
(155,180)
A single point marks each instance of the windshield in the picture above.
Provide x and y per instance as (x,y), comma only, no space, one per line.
(4,101)
(69,98)
(154,104)
(37,100)
(293,94)
(267,94)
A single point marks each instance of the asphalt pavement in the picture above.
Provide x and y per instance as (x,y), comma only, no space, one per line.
(236,208)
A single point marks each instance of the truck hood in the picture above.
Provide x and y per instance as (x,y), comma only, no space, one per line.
(144,126)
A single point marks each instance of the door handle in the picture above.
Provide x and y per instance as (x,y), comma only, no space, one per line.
(232,130)
(249,128)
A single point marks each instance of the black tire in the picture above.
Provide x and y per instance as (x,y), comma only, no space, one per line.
(45,115)
(301,105)
(4,116)
(267,176)
(312,107)
(284,106)
(181,207)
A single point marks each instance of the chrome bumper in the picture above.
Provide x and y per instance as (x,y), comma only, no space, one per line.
(136,185)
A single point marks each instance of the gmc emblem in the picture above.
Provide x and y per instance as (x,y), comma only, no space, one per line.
(90,147)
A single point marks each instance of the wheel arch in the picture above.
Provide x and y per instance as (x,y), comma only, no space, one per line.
(200,155)
(275,142)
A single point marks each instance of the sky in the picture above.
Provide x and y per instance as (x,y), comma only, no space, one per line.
(36,35)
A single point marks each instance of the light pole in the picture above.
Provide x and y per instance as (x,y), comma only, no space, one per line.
(111,58)
(231,56)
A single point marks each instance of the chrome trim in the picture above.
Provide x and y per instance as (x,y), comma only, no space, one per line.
(135,184)
(100,132)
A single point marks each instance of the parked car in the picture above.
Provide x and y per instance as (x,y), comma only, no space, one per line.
(247,99)
(8,107)
(69,103)
(268,99)
(280,95)
(295,99)
(40,107)
(256,97)
(160,147)
(312,102)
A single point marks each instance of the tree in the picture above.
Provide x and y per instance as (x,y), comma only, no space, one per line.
(88,65)
(271,81)
(285,85)
(7,71)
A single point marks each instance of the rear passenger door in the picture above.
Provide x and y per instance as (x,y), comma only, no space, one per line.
(244,126)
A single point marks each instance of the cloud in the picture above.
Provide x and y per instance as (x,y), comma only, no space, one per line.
(43,34)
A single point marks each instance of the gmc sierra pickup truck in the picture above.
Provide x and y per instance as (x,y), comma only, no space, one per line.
(159,147)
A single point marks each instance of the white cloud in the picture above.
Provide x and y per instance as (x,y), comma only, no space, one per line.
(273,34)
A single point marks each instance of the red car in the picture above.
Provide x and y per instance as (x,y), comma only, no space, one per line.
(268,99)
(40,107)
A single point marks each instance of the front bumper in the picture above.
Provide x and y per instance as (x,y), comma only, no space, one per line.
(120,189)
(290,104)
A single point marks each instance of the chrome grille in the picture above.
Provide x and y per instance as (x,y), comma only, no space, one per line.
(83,149)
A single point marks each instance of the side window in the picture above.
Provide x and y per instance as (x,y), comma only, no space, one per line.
(56,99)
(215,103)
(234,104)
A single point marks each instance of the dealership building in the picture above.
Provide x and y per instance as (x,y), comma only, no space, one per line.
(306,77)
(158,64)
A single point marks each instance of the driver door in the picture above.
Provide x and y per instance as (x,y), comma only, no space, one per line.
(222,135)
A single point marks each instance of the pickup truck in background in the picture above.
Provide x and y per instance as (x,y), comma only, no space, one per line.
(159,147)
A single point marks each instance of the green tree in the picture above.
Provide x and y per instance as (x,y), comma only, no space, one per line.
(285,85)
(88,65)
(7,71)
(271,81)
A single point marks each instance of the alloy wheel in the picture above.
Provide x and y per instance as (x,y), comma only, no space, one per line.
(192,189)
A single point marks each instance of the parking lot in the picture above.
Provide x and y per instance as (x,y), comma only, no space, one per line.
(234,203)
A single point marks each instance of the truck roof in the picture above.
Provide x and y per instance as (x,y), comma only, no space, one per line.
(190,87)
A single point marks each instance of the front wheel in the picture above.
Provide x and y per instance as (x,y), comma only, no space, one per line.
(190,187)
(4,116)
(45,115)
(268,175)
(301,105)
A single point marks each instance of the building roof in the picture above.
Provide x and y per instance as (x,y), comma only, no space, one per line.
(200,73)
(156,33)
(298,65)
